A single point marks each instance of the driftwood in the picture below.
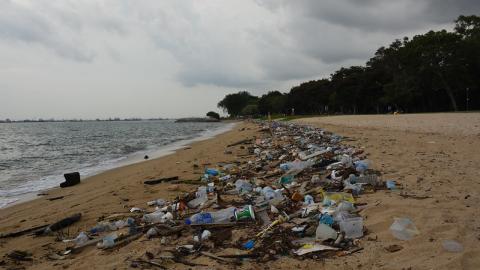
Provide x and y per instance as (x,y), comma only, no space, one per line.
(186,182)
(240,142)
(161,180)
(22,232)
(165,230)
(59,224)
(213,256)
(126,240)
(413,196)
(39,230)
(152,263)
(56,198)
(240,256)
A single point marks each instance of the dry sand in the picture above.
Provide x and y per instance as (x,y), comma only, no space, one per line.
(435,155)
(434,159)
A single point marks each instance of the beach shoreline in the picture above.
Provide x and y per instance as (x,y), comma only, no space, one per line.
(130,159)
(426,163)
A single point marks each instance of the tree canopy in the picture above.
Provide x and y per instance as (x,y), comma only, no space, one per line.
(436,71)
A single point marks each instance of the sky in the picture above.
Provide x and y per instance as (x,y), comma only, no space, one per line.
(177,58)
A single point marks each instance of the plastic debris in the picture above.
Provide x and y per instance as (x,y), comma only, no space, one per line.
(452,246)
(403,229)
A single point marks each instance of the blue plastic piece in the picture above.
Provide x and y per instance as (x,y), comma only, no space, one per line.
(326,219)
(249,245)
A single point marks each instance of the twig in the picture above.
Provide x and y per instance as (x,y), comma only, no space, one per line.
(161,180)
(213,256)
(150,263)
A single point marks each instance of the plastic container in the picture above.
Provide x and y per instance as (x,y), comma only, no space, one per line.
(403,229)
(244,213)
(352,227)
(243,186)
(345,207)
(325,232)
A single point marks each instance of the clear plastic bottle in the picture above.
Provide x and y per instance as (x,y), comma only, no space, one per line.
(158,202)
(103,227)
(82,238)
(222,216)
(200,218)
(155,217)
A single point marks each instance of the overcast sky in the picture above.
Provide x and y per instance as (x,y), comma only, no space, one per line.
(134,58)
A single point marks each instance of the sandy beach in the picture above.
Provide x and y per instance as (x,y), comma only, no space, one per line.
(433,156)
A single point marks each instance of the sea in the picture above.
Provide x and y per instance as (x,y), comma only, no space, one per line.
(34,156)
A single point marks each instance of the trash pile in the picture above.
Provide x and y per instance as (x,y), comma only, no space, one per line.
(294,193)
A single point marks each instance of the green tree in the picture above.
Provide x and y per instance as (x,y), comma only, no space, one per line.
(234,103)
(214,115)
(250,110)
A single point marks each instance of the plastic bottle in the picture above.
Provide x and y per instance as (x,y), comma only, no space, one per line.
(158,202)
(221,216)
(103,227)
(82,238)
(124,223)
(108,241)
(224,215)
(200,218)
(202,197)
(155,217)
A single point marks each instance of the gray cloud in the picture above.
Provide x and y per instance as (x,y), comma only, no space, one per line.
(162,51)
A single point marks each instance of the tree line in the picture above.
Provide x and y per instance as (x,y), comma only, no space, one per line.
(435,71)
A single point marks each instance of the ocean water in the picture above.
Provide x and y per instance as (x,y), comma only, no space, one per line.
(34,156)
